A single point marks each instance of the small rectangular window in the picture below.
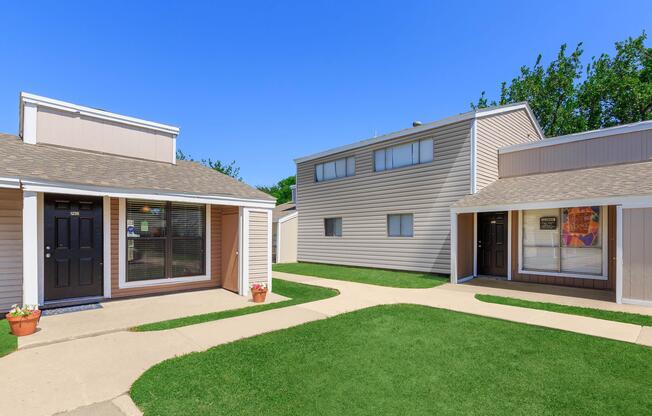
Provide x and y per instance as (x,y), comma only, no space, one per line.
(333,227)
(339,168)
(400,225)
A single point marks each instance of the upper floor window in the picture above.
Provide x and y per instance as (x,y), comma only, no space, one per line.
(404,155)
(339,168)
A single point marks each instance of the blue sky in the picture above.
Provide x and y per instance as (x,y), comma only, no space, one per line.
(265,82)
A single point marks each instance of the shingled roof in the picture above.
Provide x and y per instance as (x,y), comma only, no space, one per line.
(600,182)
(58,164)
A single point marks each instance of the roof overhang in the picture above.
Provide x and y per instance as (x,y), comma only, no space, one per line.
(470,115)
(45,102)
(156,195)
(587,135)
(288,217)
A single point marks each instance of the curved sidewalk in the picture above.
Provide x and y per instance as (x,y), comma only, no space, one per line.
(89,371)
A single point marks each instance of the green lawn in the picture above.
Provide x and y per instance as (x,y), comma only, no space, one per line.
(405,360)
(8,342)
(297,292)
(391,278)
(628,318)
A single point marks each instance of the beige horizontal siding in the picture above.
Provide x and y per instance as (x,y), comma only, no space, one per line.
(602,151)
(637,245)
(258,247)
(499,131)
(11,248)
(364,200)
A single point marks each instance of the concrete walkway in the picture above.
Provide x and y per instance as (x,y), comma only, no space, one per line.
(94,374)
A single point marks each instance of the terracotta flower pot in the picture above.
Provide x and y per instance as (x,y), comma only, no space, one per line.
(259,295)
(23,325)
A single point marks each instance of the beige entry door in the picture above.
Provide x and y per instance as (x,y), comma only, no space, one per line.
(230,251)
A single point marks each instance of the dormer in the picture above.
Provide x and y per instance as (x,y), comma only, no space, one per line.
(53,122)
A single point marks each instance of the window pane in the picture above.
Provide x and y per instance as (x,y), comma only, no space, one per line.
(426,151)
(340,168)
(146,219)
(394,225)
(188,220)
(581,260)
(350,166)
(389,164)
(338,227)
(406,225)
(402,155)
(379,156)
(329,170)
(319,172)
(541,258)
(187,257)
(145,259)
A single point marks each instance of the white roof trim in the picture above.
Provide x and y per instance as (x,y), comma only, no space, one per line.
(12,183)
(287,217)
(631,201)
(484,112)
(587,135)
(76,189)
(95,113)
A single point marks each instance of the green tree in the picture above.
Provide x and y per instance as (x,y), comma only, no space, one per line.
(281,190)
(565,99)
(229,169)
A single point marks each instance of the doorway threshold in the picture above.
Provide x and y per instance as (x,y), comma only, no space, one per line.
(59,303)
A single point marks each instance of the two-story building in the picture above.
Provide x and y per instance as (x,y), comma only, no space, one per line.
(385,202)
(94,205)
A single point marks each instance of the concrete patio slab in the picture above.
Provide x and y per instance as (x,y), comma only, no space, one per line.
(120,315)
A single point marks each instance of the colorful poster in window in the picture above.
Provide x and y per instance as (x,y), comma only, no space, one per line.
(580,227)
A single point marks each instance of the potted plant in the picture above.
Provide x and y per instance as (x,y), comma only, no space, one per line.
(23,321)
(258,291)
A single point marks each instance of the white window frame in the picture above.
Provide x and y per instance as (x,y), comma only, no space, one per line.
(388,153)
(604,225)
(122,246)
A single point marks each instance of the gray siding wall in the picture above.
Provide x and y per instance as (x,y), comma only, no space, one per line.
(11,248)
(637,246)
(499,131)
(602,151)
(258,247)
(364,201)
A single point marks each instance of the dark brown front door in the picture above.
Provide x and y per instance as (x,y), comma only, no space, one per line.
(230,225)
(492,243)
(73,247)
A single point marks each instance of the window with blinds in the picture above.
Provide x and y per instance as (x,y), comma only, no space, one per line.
(165,240)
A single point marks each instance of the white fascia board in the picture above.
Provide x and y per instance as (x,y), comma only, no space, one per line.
(643,201)
(11,183)
(74,189)
(570,138)
(95,113)
(287,217)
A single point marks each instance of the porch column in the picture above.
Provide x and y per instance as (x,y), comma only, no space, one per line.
(453,255)
(30,248)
